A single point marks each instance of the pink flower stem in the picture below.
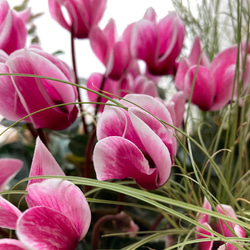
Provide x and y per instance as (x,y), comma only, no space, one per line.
(97,227)
(77,81)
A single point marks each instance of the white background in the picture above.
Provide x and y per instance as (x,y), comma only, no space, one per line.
(53,37)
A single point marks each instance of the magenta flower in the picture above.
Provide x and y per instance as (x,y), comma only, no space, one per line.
(60,219)
(132,143)
(21,96)
(111,50)
(81,16)
(58,216)
(192,60)
(213,82)
(13,32)
(129,84)
(222,227)
(158,44)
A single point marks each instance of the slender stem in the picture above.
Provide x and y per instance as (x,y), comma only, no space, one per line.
(77,81)
(96,229)
(32,130)
(42,136)
(38,132)
(88,156)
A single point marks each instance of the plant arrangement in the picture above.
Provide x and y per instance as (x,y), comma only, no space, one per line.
(153,157)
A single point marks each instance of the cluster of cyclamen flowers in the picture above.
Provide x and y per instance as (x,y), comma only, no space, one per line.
(138,146)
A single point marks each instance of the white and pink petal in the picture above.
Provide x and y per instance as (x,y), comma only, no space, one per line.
(65,197)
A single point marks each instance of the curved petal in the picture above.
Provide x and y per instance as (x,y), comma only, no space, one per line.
(157,141)
(96,9)
(44,228)
(43,163)
(171,36)
(182,70)
(8,169)
(123,126)
(143,85)
(176,107)
(99,44)
(196,53)
(65,197)
(204,245)
(115,157)
(222,225)
(156,108)
(43,92)
(13,32)
(204,218)
(105,124)
(10,104)
(118,61)
(144,42)
(8,214)
(11,244)
(204,87)
(149,103)
(150,15)
(224,89)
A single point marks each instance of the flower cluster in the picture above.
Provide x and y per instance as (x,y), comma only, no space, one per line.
(137,136)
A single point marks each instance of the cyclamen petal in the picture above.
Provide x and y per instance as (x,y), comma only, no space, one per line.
(204,87)
(9,214)
(43,163)
(117,158)
(8,169)
(11,244)
(45,228)
(13,32)
(65,197)
(176,107)
(204,245)
(153,143)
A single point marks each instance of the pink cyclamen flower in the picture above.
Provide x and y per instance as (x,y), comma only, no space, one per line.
(158,44)
(111,50)
(213,83)
(81,16)
(13,32)
(21,96)
(58,216)
(113,88)
(222,227)
(60,219)
(132,143)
